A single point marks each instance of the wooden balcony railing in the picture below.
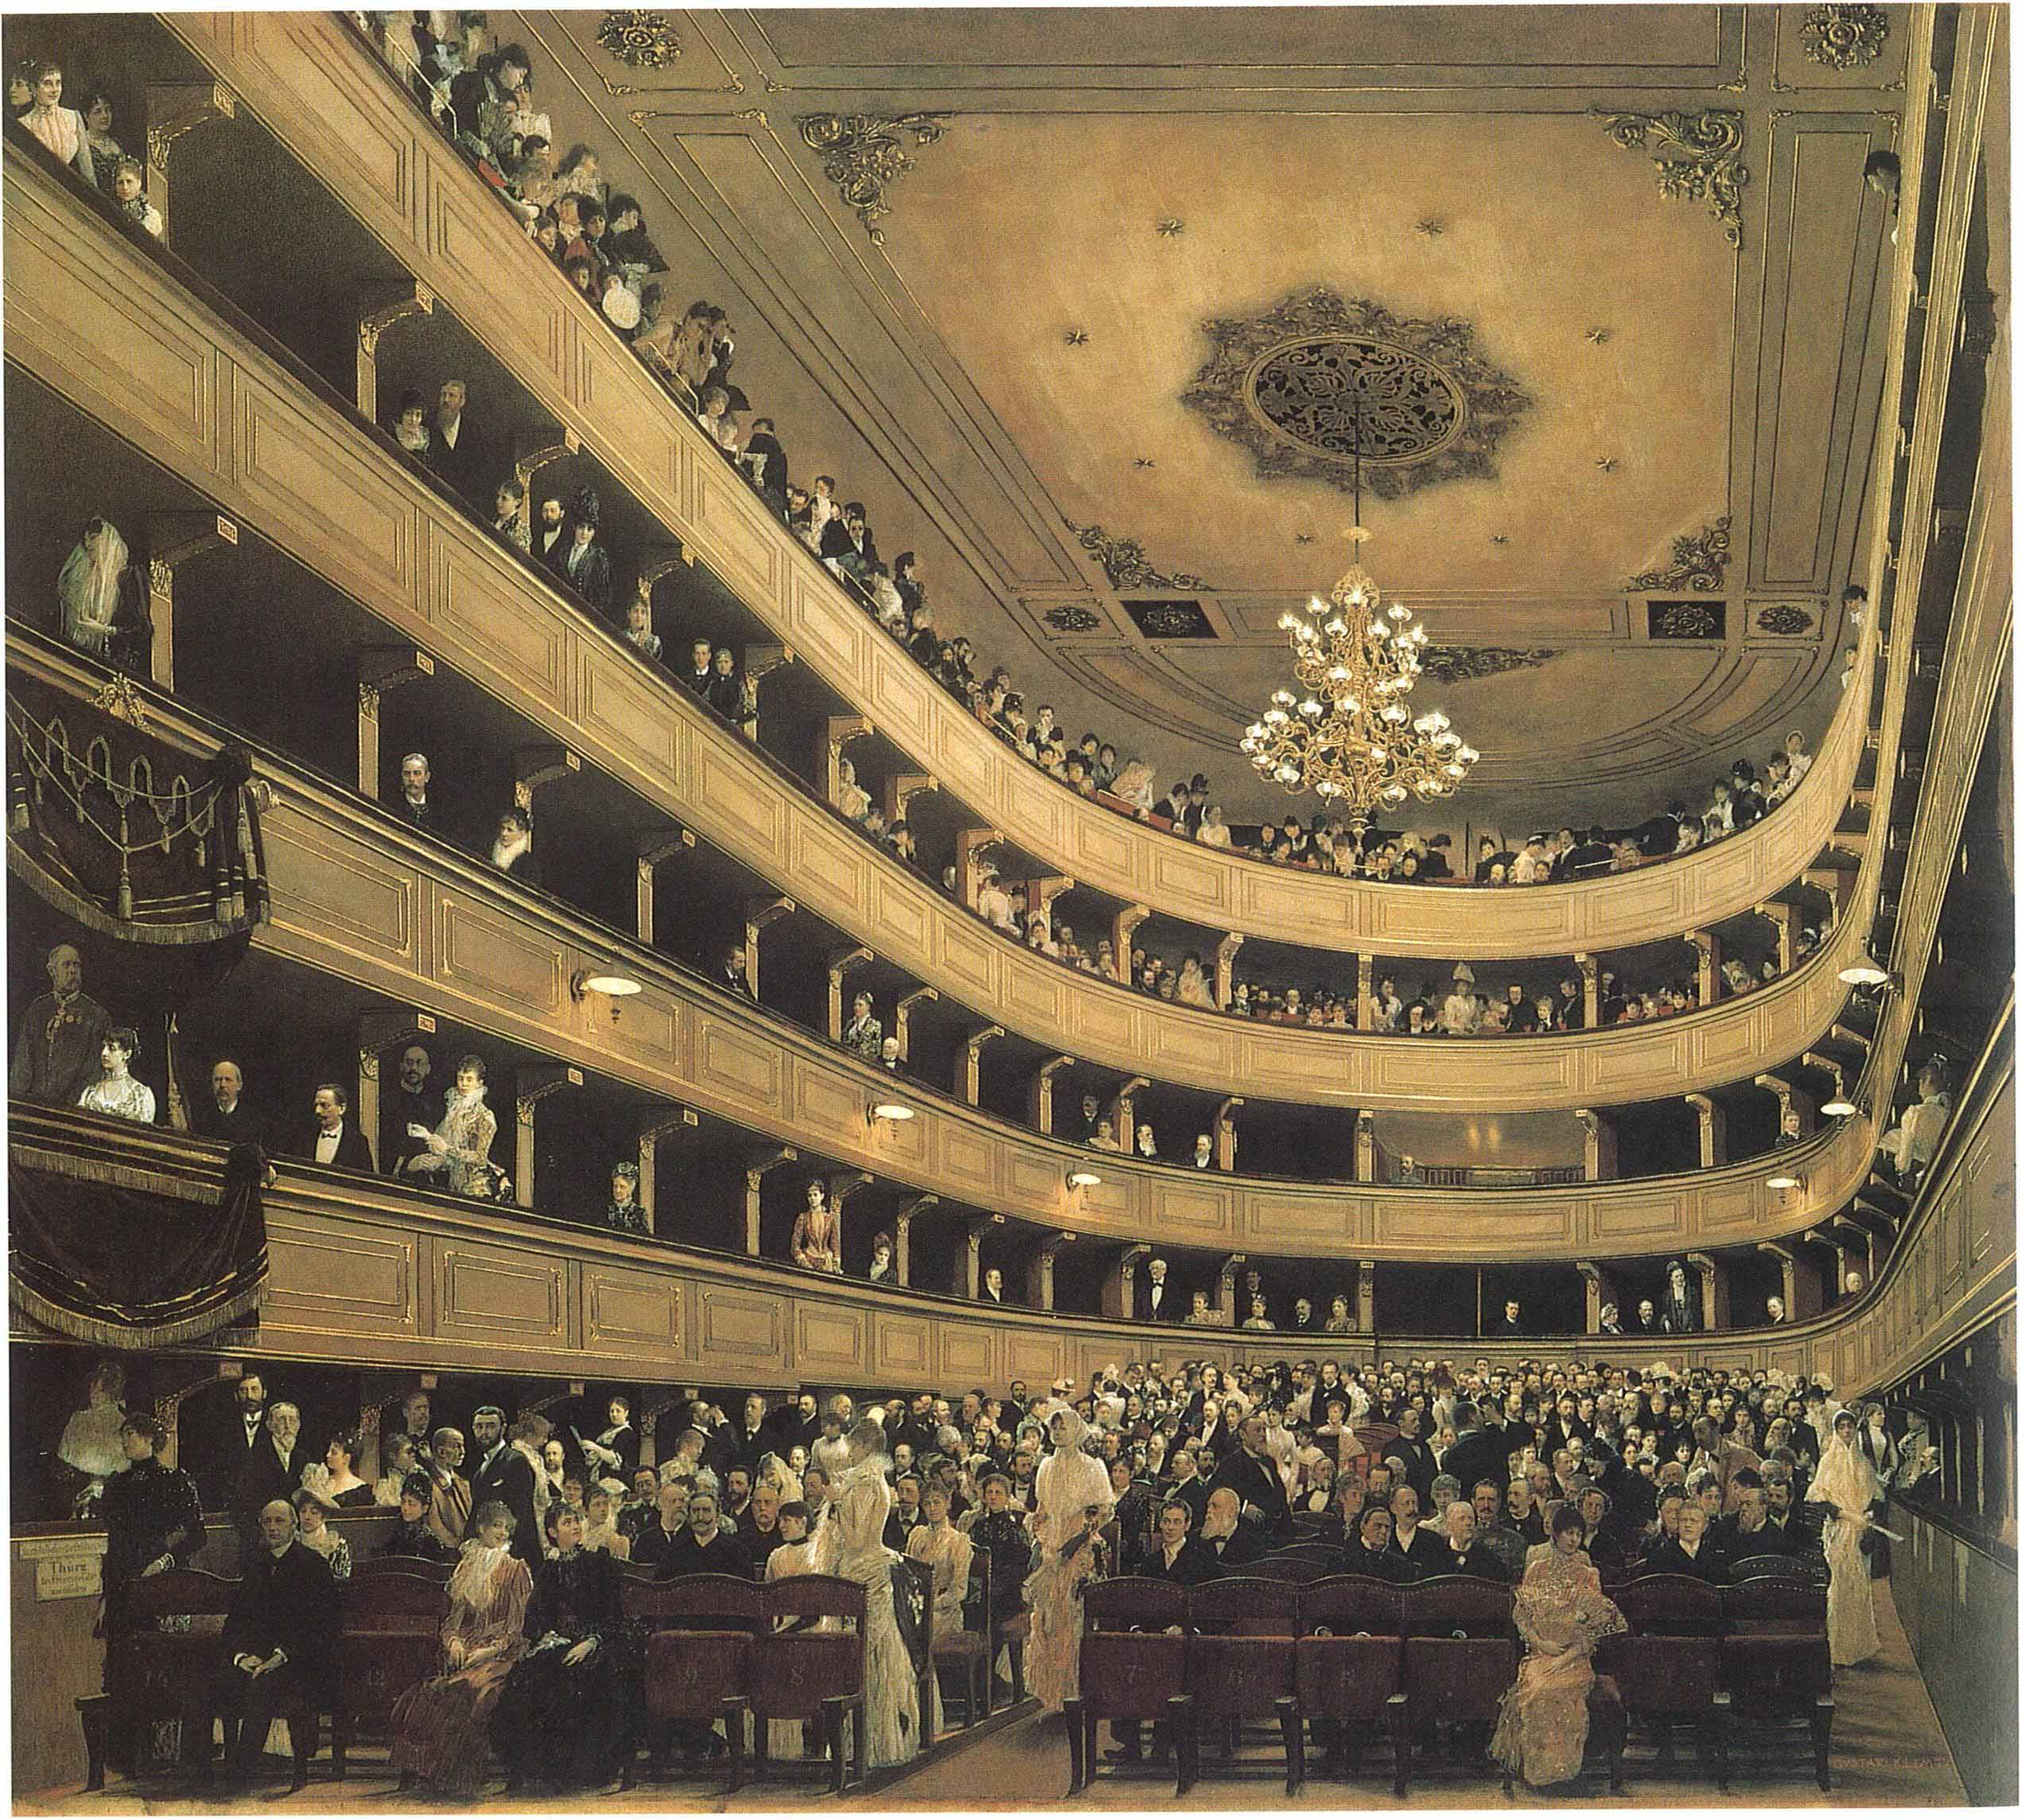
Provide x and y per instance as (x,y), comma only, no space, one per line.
(358,895)
(127,346)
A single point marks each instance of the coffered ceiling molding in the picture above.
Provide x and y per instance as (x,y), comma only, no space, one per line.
(1696,158)
(1123,561)
(1299,385)
(864,154)
(1696,562)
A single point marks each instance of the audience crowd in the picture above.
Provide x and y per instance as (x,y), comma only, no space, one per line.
(1410,1470)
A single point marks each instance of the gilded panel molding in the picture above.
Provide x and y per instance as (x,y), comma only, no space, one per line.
(864,154)
(1697,561)
(639,40)
(780,580)
(1696,156)
(1124,562)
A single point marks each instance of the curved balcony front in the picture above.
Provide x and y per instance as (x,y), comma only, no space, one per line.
(363,1270)
(358,896)
(133,350)
(334,105)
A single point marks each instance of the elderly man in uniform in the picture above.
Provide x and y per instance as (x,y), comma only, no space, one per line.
(56,1056)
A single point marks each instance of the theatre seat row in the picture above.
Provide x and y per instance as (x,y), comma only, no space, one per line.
(1358,1658)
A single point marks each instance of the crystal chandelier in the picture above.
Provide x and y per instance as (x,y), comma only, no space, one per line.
(1352,737)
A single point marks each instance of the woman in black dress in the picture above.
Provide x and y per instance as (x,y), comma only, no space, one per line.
(568,1715)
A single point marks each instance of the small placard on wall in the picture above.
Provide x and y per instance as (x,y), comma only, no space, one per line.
(66,1566)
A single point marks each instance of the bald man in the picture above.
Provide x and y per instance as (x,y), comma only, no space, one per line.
(56,1055)
(279,1644)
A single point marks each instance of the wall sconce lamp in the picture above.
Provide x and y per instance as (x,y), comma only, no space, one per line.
(611,986)
(1783,1181)
(1862,969)
(1083,1179)
(891,1112)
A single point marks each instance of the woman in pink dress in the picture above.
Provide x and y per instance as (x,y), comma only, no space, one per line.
(438,1726)
(1561,1614)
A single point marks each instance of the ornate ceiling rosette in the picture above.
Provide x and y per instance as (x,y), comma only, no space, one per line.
(1071,619)
(639,40)
(1468,663)
(1843,37)
(1299,385)
(1785,619)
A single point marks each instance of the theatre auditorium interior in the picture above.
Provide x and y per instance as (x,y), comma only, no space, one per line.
(952,908)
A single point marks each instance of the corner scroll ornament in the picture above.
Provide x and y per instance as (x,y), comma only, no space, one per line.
(1844,38)
(1468,663)
(1696,156)
(864,154)
(639,40)
(1697,563)
(1124,562)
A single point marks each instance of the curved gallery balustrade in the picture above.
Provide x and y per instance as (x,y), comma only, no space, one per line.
(132,351)
(358,1269)
(355,896)
(333,104)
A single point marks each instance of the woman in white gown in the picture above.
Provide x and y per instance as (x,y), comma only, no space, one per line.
(1847,1485)
(1075,1498)
(852,1546)
(459,1148)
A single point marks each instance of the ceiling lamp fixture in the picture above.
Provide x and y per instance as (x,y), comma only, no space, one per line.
(1352,737)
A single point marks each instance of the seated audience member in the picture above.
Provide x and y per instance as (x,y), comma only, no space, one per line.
(1470,1558)
(586,567)
(222,1113)
(454,450)
(410,425)
(129,197)
(509,516)
(413,1537)
(550,542)
(1691,1551)
(279,1646)
(399,1455)
(638,631)
(727,692)
(764,462)
(116,1093)
(413,806)
(622,1212)
(512,848)
(459,1148)
(334,1139)
(411,1107)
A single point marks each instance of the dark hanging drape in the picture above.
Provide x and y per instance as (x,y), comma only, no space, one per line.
(127,1256)
(131,839)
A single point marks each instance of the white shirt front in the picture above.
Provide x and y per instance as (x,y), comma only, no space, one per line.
(326,1144)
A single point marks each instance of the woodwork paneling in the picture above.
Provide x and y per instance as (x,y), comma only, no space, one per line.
(499,1292)
(631,1314)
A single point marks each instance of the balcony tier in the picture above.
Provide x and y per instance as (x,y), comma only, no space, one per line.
(334,106)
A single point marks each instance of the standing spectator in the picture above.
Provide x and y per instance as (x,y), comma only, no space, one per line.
(61,129)
(333,1140)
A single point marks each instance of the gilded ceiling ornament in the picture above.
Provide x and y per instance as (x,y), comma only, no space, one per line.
(1076,338)
(1686,619)
(1468,663)
(1783,618)
(1123,561)
(1843,37)
(1599,337)
(1169,619)
(1607,464)
(864,154)
(1146,461)
(1696,156)
(1430,227)
(639,40)
(1301,384)
(1071,619)
(1696,563)
(1171,227)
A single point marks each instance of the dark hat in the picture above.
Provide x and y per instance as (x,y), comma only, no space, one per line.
(585,508)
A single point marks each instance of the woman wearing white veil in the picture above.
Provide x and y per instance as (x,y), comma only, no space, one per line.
(1846,1485)
(1074,1500)
(91,588)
